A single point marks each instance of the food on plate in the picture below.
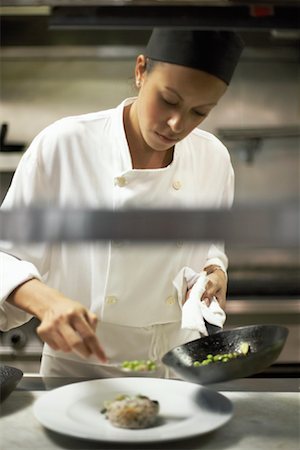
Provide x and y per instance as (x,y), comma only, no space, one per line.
(224,357)
(139,365)
(134,412)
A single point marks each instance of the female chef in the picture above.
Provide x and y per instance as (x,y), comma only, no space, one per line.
(102,303)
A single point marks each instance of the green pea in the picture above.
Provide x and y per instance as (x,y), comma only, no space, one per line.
(206,361)
(224,357)
(136,365)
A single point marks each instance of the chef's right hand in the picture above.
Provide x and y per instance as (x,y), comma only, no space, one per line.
(66,325)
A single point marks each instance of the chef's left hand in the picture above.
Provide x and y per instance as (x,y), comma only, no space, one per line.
(216,286)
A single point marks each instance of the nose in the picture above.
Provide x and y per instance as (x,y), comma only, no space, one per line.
(176,122)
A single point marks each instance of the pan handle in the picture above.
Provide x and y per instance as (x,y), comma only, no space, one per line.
(212,329)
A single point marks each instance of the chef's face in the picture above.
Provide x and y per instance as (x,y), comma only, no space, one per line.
(172,101)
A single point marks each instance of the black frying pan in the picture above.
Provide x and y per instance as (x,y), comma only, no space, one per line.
(265,341)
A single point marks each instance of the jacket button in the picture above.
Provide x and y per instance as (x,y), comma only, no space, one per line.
(170,300)
(111,300)
(120,181)
(176,185)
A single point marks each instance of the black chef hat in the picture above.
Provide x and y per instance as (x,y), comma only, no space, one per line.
(215,52)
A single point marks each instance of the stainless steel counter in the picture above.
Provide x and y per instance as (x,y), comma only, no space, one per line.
(266,416)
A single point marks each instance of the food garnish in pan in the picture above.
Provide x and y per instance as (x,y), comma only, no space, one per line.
(134,412)
(244,349)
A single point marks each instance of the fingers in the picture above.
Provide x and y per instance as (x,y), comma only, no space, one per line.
(92,319)
(54,340)
(210,292)
(213,288)
(206,300)
(73,332)
(221,300)
(216,286)
(89,341)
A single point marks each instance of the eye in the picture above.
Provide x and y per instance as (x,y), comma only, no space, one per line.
(169,102)
(200,113)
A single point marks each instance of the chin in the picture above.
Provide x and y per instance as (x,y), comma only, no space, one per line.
(158,144)
(160,148)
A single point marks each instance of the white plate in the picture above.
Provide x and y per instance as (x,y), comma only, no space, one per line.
(186,409)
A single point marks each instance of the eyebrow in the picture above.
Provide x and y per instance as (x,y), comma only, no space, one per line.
(178,95)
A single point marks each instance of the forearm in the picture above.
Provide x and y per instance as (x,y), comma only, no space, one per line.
(33,297)
(65,324)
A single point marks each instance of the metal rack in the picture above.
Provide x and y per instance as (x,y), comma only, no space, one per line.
(264,225)
(252,139)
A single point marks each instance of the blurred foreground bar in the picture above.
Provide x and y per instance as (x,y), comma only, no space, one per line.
(267,226)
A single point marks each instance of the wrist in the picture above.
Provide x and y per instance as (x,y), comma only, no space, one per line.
(32,296)
(214,268)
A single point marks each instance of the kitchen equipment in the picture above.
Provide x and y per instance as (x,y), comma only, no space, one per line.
(265,342)
(9,378)
(5,147)
(21,347)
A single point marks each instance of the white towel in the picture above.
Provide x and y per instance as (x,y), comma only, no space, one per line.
(195,310)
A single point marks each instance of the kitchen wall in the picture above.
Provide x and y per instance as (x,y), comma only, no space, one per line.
(36,93)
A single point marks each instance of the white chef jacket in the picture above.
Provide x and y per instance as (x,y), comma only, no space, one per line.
(84,161)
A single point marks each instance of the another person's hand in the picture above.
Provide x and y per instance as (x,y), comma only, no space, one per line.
(216,286)
(66,325)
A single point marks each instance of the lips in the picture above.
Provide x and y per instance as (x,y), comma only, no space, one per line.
(169,139)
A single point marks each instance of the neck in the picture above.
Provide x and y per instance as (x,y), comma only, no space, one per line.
(142,156)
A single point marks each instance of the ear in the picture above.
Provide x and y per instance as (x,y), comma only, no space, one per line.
(140,67)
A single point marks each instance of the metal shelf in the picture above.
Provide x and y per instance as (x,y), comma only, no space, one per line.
(238,134)
(274,226)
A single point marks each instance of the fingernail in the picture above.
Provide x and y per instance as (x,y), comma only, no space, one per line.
(103,358)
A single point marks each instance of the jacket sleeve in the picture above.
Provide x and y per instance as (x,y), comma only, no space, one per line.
(22,262)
